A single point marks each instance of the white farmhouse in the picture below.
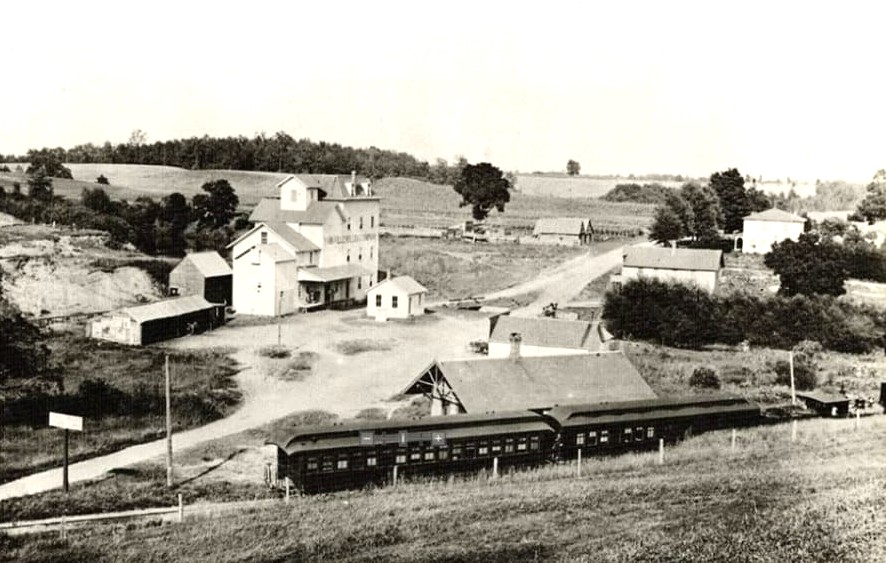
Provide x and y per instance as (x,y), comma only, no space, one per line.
(396,298)
(684,265)
(763,229)
(314,246)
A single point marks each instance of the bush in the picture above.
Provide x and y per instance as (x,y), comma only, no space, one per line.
(276,352)
(805,378)
(704,378)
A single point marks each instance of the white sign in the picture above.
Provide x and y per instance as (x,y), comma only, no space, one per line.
(66,421)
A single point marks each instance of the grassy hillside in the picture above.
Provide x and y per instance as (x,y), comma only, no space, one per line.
(771,500)
(557,185)
(66,188)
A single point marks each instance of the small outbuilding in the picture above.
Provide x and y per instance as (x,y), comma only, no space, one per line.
(396,298)
(825,404)
(762,230)
(205,274)
(685,265)
(568,231)
(158,321)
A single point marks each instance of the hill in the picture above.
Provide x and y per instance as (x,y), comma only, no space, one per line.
(818,499)
(558,185)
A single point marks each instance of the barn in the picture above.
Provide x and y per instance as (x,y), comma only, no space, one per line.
(205,274)
(158,321)
(546,336)
(396,298)
(568,231)
(477,386)
(684,265)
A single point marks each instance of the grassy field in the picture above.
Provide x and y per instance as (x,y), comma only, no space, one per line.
(451,268)
(817,499)
(563,185)
(413,202)
(203,388)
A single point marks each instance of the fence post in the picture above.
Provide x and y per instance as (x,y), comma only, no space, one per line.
(794,430)
(287,489)
(733,439)
(181,509)
(661,451)
(64,528)
(857,420)
(395,475)
(495,467)
(579,462)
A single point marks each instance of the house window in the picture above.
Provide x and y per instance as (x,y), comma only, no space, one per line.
(370,253)
(359,283)
(264,237)
(349,223)
(378,300)
(293,195)
(401,458)
(348,257)
(371,462)
(361,221)
(342,464)
(394,301)
(360,254)
(372,221)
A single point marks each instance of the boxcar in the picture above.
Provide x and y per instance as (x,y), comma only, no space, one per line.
(616,427)
(353,455)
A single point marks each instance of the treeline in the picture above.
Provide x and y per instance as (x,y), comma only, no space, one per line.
(655,194)
(688,317)
(165,227)
(280,153)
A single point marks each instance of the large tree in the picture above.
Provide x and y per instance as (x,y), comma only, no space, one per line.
(873,206)
(573,167)
(667,225)
(40,185)
(811,265)
(705,206)
(729,187)
(218,206)
(50,161)
(484,188)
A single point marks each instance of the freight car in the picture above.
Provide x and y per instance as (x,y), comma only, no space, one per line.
(356,454)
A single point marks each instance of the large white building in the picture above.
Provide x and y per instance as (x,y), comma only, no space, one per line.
(316,245)
(683,265)
(763,229)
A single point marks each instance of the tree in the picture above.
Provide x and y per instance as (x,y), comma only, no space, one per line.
(666,226)
(873,206)
(39,185)
(97,200)
(705,208)
(50,160)
(729,187)
(811,265)
(218,207)
(483,187)
(573,167)
(102,180)
(23,352)
(175,215)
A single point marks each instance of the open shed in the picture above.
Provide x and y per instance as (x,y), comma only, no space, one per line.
(158,321)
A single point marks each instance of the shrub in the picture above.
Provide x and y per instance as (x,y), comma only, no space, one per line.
(704,378)
(276,352)
(805,378)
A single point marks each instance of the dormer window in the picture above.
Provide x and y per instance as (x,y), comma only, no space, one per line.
(264,236)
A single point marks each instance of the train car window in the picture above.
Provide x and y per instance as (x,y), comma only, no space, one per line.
(604,436)
(496,448)
(627,434)
(638,434)
(483,450)
(592,437)
(312,464)
(429,456)
(327,464)
(456,450)
(401,458)
(341,464)
(580,439)
(650,432)
(509,446)
(371,461)
(470,451)
(521,445)
(533,443)
(443,454)
(415,455)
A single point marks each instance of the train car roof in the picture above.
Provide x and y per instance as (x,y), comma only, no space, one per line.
(348,434)
(576,415)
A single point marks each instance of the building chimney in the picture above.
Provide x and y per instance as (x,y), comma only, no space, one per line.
(515,339)
(353,182)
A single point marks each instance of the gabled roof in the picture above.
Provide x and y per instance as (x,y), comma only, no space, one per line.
(550,333)
(268,211)
(504,384)
(210,263)
(294,239)
(404,283)
(167,308)
(560,226)
(775,215)
(673,258)
(651,409)
(333,273)
(334,185)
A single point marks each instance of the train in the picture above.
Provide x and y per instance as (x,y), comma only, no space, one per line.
(357,454)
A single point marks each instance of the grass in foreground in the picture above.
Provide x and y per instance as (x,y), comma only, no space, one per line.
(818,499)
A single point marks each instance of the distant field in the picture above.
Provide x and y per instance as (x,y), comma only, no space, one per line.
(575,186)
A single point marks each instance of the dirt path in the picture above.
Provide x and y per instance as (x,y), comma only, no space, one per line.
(339,383)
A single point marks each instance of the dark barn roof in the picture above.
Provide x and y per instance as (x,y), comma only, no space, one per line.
(551,333)
(505,384)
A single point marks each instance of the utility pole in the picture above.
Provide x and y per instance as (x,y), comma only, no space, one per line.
(793,388)
(168,428)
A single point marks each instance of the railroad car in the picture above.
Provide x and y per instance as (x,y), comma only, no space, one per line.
(636,425)
(355,454)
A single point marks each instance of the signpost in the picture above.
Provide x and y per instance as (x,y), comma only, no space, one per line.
(67,422)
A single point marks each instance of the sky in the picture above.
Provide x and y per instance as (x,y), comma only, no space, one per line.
(775,89)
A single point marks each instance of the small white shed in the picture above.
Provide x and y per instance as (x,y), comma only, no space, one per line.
(396,298)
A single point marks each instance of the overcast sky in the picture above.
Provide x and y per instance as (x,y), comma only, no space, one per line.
(669,87)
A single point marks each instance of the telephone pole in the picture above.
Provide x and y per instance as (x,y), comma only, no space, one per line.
(168,428)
